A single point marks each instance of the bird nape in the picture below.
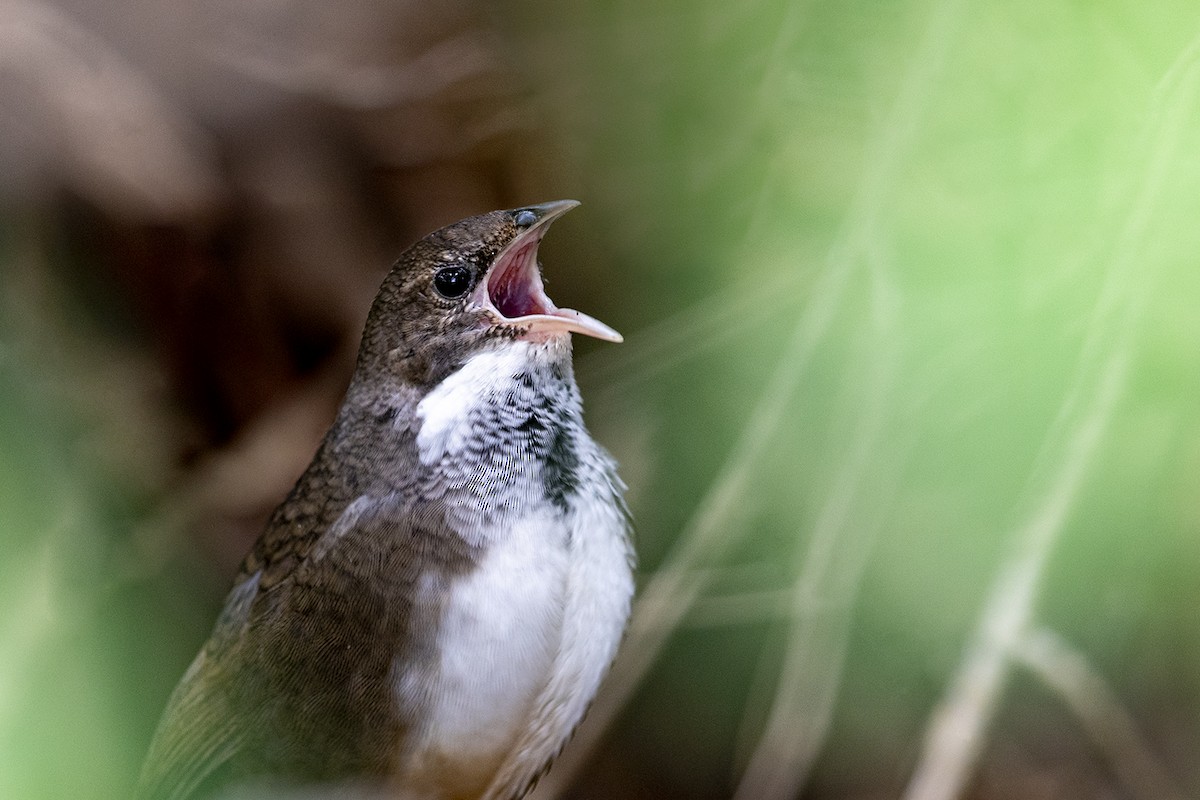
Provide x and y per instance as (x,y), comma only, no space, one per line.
(429,612)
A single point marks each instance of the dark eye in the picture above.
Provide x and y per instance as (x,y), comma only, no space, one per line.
(524,218)
(452,282)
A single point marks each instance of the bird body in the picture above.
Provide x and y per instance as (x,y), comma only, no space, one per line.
(430,611)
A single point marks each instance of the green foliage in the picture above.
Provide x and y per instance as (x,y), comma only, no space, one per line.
(983,213)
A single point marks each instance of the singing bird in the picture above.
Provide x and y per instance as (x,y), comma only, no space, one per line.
(431,609)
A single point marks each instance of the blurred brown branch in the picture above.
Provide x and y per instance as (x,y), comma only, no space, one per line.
(234,180)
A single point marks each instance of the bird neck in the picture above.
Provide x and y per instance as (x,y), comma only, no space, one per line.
(501,431)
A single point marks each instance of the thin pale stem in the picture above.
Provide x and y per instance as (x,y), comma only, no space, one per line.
(667,597)
(829,575)
(956,731)
(1114,731)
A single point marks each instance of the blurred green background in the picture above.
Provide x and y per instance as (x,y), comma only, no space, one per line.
(909,403)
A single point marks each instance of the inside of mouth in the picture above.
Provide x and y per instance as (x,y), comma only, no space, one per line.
(514,286)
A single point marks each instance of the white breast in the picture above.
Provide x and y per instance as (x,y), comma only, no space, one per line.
(497,643)
(524,641)
(526,636)
(598,590)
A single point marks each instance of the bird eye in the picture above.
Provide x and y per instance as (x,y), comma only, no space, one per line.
(524,218)
(452,282)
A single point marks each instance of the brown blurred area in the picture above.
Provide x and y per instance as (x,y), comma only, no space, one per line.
(206,197)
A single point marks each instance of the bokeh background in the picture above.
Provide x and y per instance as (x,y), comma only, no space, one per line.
(909,403)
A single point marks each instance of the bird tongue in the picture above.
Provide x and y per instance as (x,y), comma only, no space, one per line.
(516,294)
(515,289)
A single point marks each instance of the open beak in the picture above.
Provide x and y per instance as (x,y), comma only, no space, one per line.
(512,293)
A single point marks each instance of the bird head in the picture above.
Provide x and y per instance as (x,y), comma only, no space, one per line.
(466,287)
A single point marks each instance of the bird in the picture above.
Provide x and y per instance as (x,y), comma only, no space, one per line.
(430,611)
